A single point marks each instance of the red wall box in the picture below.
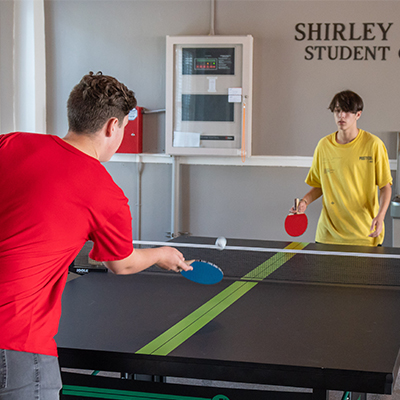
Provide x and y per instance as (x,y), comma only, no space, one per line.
(133,134)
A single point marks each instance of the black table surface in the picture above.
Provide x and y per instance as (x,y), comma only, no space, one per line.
(304,325)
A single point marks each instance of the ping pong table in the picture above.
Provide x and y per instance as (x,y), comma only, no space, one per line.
(286,313)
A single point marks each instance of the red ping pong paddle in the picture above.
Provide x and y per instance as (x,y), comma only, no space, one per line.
(203,272)
(296,223)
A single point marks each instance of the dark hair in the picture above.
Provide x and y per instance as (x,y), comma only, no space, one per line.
(96,99)
(347,101)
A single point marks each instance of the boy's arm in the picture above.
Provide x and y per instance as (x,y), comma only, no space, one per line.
(167,258)
(312,195)
(385,194)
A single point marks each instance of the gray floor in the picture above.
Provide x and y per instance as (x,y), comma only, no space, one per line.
(333,395)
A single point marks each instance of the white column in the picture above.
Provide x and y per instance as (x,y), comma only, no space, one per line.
(29,66)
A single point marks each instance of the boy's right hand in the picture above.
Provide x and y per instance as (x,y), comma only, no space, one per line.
(301,209)
(172,259)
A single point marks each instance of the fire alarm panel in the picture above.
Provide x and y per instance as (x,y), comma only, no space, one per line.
(209,95)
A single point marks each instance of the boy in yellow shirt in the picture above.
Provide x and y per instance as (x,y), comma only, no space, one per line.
(348,166)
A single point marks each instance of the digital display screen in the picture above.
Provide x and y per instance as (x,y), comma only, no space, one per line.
(205,63)
(210,60)
(206,107)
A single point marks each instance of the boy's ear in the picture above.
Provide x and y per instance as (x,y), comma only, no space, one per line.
(111,124)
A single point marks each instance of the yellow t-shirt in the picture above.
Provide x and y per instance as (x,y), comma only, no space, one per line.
(349,175)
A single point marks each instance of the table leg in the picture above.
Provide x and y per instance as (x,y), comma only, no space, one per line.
(358,396)
(319,394)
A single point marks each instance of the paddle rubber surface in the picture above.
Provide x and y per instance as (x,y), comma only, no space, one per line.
(203,272)
(296,224)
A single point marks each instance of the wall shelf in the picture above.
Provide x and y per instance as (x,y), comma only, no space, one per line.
(254,161)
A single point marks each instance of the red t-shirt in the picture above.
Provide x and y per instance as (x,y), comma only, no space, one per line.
(53,198)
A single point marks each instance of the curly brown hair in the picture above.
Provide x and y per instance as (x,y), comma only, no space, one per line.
(96,99)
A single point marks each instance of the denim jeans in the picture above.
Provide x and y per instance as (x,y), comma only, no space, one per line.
(28,376)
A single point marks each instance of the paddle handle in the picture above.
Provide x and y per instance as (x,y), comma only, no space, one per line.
(296,205)
(187,262)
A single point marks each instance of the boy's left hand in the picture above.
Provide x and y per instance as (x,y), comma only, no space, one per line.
(376,227)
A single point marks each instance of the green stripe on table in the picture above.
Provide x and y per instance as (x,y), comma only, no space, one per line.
(184,329)
(187,327)
(272,264)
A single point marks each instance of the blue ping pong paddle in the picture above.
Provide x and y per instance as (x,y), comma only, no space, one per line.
(203,272)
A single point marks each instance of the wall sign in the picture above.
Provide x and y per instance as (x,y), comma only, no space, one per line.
(361,41)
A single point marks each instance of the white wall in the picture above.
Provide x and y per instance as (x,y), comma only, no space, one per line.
(291,96)
(6,70)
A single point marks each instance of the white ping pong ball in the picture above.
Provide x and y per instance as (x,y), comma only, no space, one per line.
(220,242)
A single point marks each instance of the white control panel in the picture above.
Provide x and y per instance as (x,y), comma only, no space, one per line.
(209,95)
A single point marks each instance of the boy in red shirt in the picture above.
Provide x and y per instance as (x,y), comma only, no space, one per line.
(56,195)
